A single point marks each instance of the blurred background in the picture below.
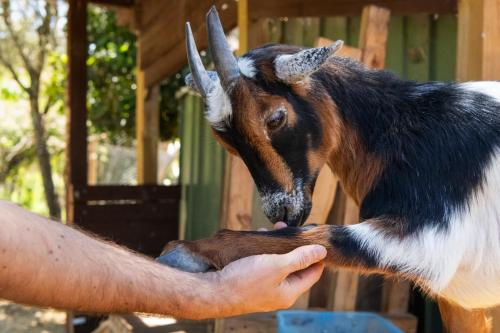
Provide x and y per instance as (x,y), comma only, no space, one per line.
(98,129)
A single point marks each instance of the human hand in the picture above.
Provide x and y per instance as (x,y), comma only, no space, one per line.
(265,282)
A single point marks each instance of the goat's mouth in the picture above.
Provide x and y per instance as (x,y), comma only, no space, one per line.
(291,209)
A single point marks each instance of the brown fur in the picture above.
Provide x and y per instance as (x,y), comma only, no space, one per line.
(228,245)
(357,169)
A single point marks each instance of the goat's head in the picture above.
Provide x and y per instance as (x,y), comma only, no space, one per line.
(262,107)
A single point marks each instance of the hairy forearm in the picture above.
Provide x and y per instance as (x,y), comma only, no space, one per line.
(48,264)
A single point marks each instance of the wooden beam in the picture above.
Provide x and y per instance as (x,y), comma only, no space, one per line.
(313,8)
(163,54)
(147,130)
(346,286)
(373,36)
(115,3)
(76,131)
(478,54)
(77,92)
(238,183)
(243,26)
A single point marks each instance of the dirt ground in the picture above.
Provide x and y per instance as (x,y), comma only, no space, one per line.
(22,319)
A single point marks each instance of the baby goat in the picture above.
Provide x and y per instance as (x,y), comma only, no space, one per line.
(422,160)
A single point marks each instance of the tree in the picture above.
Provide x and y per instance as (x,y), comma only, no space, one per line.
(29,33)
(111,81)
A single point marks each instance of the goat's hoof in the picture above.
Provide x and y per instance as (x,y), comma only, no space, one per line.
(180,257)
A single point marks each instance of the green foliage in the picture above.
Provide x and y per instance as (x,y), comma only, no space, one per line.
(112,76)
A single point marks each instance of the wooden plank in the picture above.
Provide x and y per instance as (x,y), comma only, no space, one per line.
(237,198)
(373,36)
(116,212)
(152,10)
(253,323)
(238,183)
(185,165)
(114,3)
(147,129)
(324,193)
(406,322)
(243,26)
(77,93)
(346,287)
(152,37)
(194,193)
(478,54)
(396,296)
(148,193)
(314,8)
(495,314)
(171,55)
(345,51)
(144,228)
(417,47)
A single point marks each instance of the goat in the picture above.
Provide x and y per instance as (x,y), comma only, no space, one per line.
(422,160)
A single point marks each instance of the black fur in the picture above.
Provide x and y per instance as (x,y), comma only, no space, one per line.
(436,140)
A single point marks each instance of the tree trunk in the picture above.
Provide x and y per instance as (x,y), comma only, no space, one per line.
(43,157)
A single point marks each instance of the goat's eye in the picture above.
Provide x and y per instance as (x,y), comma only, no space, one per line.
(276,120)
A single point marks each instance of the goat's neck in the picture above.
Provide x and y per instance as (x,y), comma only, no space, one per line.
(360,96)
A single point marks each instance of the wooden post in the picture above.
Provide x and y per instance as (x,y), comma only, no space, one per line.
(238,183)
(478,51)
(76,127)
(478,54)
(76,165)
(147,128)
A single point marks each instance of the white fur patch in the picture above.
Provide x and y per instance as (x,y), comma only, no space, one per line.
(461,263)
(219,109)
(247,67)
(491,88)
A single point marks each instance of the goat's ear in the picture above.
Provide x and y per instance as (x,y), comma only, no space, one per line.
(291,68)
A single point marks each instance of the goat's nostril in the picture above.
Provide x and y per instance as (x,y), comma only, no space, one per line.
(279,214)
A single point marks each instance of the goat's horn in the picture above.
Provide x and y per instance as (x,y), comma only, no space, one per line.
(200,76)
(223,58)
(291,68)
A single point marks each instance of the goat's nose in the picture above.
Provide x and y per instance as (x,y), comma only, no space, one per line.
(279,214)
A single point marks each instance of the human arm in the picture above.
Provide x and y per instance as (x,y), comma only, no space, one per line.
(49,264)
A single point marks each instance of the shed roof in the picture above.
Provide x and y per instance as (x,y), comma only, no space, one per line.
(160,23)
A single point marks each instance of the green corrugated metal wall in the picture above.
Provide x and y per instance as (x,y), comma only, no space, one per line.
(202,168)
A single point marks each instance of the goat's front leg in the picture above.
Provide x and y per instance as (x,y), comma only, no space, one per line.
(227,246)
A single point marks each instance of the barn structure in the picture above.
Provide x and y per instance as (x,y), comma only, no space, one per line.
(422,40)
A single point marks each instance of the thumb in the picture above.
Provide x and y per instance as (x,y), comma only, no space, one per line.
(297,283)
(302,257)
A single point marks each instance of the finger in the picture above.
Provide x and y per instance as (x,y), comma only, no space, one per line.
(301,281)
(301,258)
(280,225)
